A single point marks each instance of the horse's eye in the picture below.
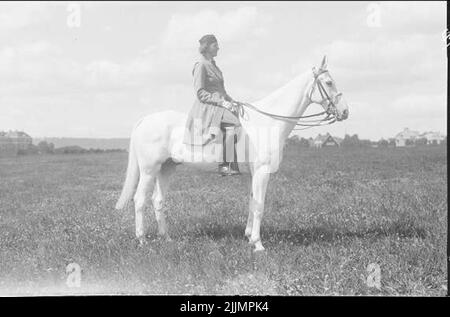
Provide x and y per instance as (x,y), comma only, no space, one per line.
(329,83)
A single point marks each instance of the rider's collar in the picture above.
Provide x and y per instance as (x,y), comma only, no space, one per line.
(210,61)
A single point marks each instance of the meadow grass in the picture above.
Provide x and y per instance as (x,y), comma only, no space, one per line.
(329,214)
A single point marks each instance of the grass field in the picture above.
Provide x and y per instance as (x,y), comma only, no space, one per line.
(329,214)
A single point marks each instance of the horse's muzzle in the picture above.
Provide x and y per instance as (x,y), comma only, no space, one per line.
(343,116)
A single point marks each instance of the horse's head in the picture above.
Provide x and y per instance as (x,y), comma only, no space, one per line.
(331,100)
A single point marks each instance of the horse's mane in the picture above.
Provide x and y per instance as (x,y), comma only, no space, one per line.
(293,83)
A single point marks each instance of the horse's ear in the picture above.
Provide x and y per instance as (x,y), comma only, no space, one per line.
(324,62)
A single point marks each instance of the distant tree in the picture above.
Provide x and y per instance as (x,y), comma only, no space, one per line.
(293,140)
(45,148)
(383,143)
(420,141)
(346,142)
(391,143)
(42,146)
(365,143)
(303,142)
(73,149)
(350,141)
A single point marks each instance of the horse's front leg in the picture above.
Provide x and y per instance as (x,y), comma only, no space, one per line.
(259,186)
(251,207)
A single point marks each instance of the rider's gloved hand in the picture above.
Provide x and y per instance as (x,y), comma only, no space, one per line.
(227,104)
(230,105)
(237,107)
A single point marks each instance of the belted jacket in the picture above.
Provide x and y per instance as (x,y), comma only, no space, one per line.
(206,113)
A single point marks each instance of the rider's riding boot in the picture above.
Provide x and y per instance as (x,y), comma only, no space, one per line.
(226,170)
(235,167)
(229,167)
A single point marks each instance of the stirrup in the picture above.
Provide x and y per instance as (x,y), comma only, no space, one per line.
(226,170)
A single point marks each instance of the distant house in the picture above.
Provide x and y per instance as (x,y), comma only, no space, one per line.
(326,140)
(406,137)
(7,148)
(12,142)
(433,137)
(409,137)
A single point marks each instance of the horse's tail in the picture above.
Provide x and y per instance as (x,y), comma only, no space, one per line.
(131,179)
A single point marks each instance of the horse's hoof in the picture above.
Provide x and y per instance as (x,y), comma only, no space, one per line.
(253,241)
(258,246)
(163,237)
(141,242)
(259,250)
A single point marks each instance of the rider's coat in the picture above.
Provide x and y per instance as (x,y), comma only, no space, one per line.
(206,113)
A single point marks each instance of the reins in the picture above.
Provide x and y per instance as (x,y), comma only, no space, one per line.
(329,119)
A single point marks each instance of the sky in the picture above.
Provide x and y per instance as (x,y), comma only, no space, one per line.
(92,69)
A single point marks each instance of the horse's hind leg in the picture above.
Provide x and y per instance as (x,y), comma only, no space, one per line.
(259,185)
(249,226)
(159,195)
(251,206)
(146,180)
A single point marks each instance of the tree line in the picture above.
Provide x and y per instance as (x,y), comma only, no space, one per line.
(355,141)
(45,147)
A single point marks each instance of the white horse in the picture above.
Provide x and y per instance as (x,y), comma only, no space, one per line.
(156,147)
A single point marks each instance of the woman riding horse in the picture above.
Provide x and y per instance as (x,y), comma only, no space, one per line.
(214,110)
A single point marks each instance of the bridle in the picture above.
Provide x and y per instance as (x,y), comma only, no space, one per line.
(331,104)
(331,110)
